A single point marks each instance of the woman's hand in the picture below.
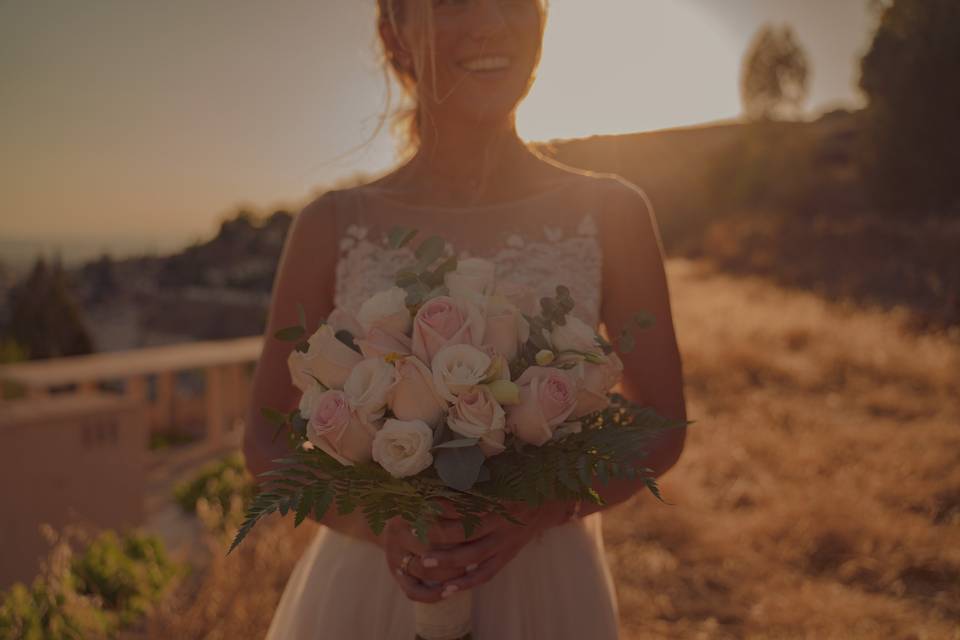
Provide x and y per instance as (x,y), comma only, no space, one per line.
(475,561)
(421,580)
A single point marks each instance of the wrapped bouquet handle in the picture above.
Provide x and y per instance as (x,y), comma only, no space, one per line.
(448,619)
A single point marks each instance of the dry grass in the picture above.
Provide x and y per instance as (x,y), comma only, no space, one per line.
(818,496)
(819,493)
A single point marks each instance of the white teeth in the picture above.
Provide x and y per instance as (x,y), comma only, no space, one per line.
(486,64)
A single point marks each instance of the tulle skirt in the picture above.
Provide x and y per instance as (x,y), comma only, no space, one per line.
(558,588)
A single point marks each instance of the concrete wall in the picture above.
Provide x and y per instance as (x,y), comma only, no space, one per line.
(72,458)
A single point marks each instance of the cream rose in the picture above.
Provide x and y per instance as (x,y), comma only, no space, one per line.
(379,343)
(445,321)
(387,311)
(342,320)
(369,386)
(328,360)
(457,368)
(594,381)
(477,414)
(547,397)
(402,447)
(335,429)
(575,335)
(414,397)
(472,276)
(506,329)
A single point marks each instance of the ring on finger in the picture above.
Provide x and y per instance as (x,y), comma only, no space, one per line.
(405,561)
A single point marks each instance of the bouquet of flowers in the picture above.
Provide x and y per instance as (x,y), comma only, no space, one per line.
(452,386)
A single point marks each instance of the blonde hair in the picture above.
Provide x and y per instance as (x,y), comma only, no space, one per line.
(391,14)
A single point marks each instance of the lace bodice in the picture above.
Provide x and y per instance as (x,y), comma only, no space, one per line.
(540,242)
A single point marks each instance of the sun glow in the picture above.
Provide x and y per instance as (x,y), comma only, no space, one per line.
(617,66)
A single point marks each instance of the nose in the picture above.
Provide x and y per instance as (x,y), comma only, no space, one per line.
(488,20)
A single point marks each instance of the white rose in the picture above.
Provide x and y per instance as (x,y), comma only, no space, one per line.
(575,335)
(327,360)
(386,310)
(402,447)
(521,296)
(368,387)
(506,328)
(472,276)
(477,414)
(457,368)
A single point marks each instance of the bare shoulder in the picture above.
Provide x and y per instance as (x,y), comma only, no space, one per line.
(615,192)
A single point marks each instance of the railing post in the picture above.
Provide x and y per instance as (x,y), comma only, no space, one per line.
(213,390)
(165,400)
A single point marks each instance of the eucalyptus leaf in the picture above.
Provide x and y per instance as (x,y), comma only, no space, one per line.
(459,468)
(406,278)
(644,319)
(302,316)
(289,334)
(274,416)
(398,237)
(430,250)
(460,442)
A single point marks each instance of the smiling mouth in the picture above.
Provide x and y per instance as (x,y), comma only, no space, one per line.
(486,64)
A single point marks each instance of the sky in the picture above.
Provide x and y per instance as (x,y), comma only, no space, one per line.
(136,125)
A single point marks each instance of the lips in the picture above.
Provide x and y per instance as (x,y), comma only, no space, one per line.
(486,63)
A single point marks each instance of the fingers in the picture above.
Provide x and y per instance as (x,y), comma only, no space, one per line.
(462,555)
(445,533)
(484,572)
(432,574)
(416,590)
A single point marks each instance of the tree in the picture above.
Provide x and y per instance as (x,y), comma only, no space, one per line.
(909,76)
(44,318)
(773,81)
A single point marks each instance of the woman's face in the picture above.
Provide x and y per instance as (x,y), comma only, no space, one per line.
(485,50)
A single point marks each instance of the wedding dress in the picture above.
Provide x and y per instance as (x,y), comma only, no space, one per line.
(558,587)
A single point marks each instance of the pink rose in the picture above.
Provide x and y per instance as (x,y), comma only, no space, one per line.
(328,360)
(414,397)
(547,397)
(506,328)
(379,343)
(336,430)
(477,414)
(445,321)
(594,381)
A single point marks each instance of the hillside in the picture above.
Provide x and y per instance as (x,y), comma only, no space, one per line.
(818,495)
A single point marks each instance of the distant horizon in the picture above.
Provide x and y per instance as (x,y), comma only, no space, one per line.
(160,119)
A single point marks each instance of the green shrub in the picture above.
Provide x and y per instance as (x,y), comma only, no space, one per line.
(218,494)
(94,594)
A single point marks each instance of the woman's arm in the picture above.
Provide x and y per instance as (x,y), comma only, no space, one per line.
(634,280)
(305,276)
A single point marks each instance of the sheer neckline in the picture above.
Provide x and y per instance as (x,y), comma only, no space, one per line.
(377,193)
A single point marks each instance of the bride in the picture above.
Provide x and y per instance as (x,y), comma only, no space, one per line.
(466,64)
